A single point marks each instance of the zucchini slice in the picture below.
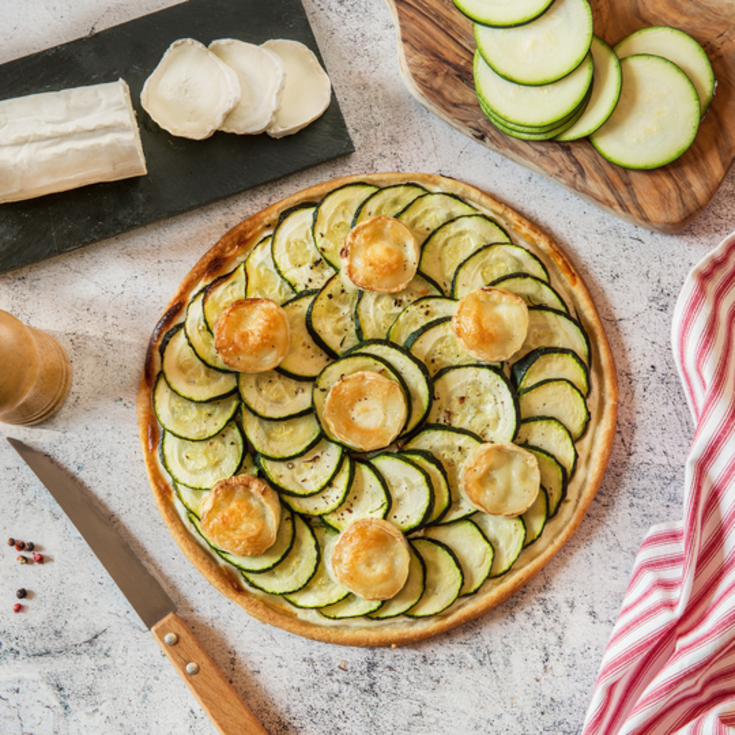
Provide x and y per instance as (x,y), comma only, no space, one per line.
(295,570)
(187,419)
(367,497)
(679,48)
(333,218)
(199,336)
(532,290)
(557,399)
(348,365)
(272,395)
(434,468)
(281,438)
(305,359)
(413,372)
(606,83)
(388,201)
(443,581)
(351,607)
(273,556)
(507,536)
(502,13)
(375,312)
(187,375)
(418,314)
(478,398)
(429,211)
(551,328)
(472,550)
(453,242)
(200,464)
(410,593)
(222,292)
(307,474)
(294,252)
(330,318)
(492,262)
(410,489)
(534,519)
(551,436)
(553,478)
(191,498)
(451,447)
(436,345)
(321,590)
(550,363)
(532,106)
(263,280)
(542,51)
(656,118)
(328,499)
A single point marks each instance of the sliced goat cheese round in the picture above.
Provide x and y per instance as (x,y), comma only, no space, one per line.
(262,77)
(191,91)
(380,254)
(252,335)
(501,479)
(308,90)
(370,558)
(366,410)
(491,323)
(241,515)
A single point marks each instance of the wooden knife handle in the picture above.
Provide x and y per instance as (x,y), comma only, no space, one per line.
(229,714)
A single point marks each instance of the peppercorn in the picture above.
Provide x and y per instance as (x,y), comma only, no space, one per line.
(22,559)
(11,542)
(19,545)
(38,558)
(17,607)
(21,593)
(30,546)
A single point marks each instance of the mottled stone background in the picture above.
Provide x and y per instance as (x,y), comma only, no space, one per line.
(79,661)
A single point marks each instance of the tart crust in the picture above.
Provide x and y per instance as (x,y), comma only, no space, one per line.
(594,448)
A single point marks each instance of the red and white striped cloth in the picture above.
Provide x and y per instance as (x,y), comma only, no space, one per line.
(669,667)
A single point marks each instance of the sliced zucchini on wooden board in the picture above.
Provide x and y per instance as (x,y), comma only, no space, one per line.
(502,13)
(532,106)
(443,581)
(471,548)
(656,118)
(333,218)
(679,48)
(200,464)
(187,375)
(478,398)
(542,51)
(189,419)
(606,84)
(453,242)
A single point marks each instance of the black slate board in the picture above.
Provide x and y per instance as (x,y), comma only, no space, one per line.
(182,174)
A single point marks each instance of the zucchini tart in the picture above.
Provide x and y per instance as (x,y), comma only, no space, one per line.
(374,410)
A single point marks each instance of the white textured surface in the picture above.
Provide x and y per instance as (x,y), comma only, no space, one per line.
(79,661)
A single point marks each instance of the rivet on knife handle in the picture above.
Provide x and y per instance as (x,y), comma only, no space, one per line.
(230,715)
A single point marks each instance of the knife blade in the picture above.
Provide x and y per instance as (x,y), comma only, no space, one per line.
(229,714)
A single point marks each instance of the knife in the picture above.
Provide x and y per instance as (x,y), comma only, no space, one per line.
(229,714)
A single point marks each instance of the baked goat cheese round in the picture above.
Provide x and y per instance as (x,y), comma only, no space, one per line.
(445,474)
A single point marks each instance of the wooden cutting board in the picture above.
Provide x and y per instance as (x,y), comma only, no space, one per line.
(436,46)
(182,174)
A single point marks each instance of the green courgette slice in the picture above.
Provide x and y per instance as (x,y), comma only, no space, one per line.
(367,497)
(502,13)
(418,314)
(507,536)
(429,211)
(443,581)
(388,201)
(281,438)
(557,399)
(263,280)
(272,395)
(222,292)
(549,363)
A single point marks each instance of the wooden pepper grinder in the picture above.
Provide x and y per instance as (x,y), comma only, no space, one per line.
(35,373)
